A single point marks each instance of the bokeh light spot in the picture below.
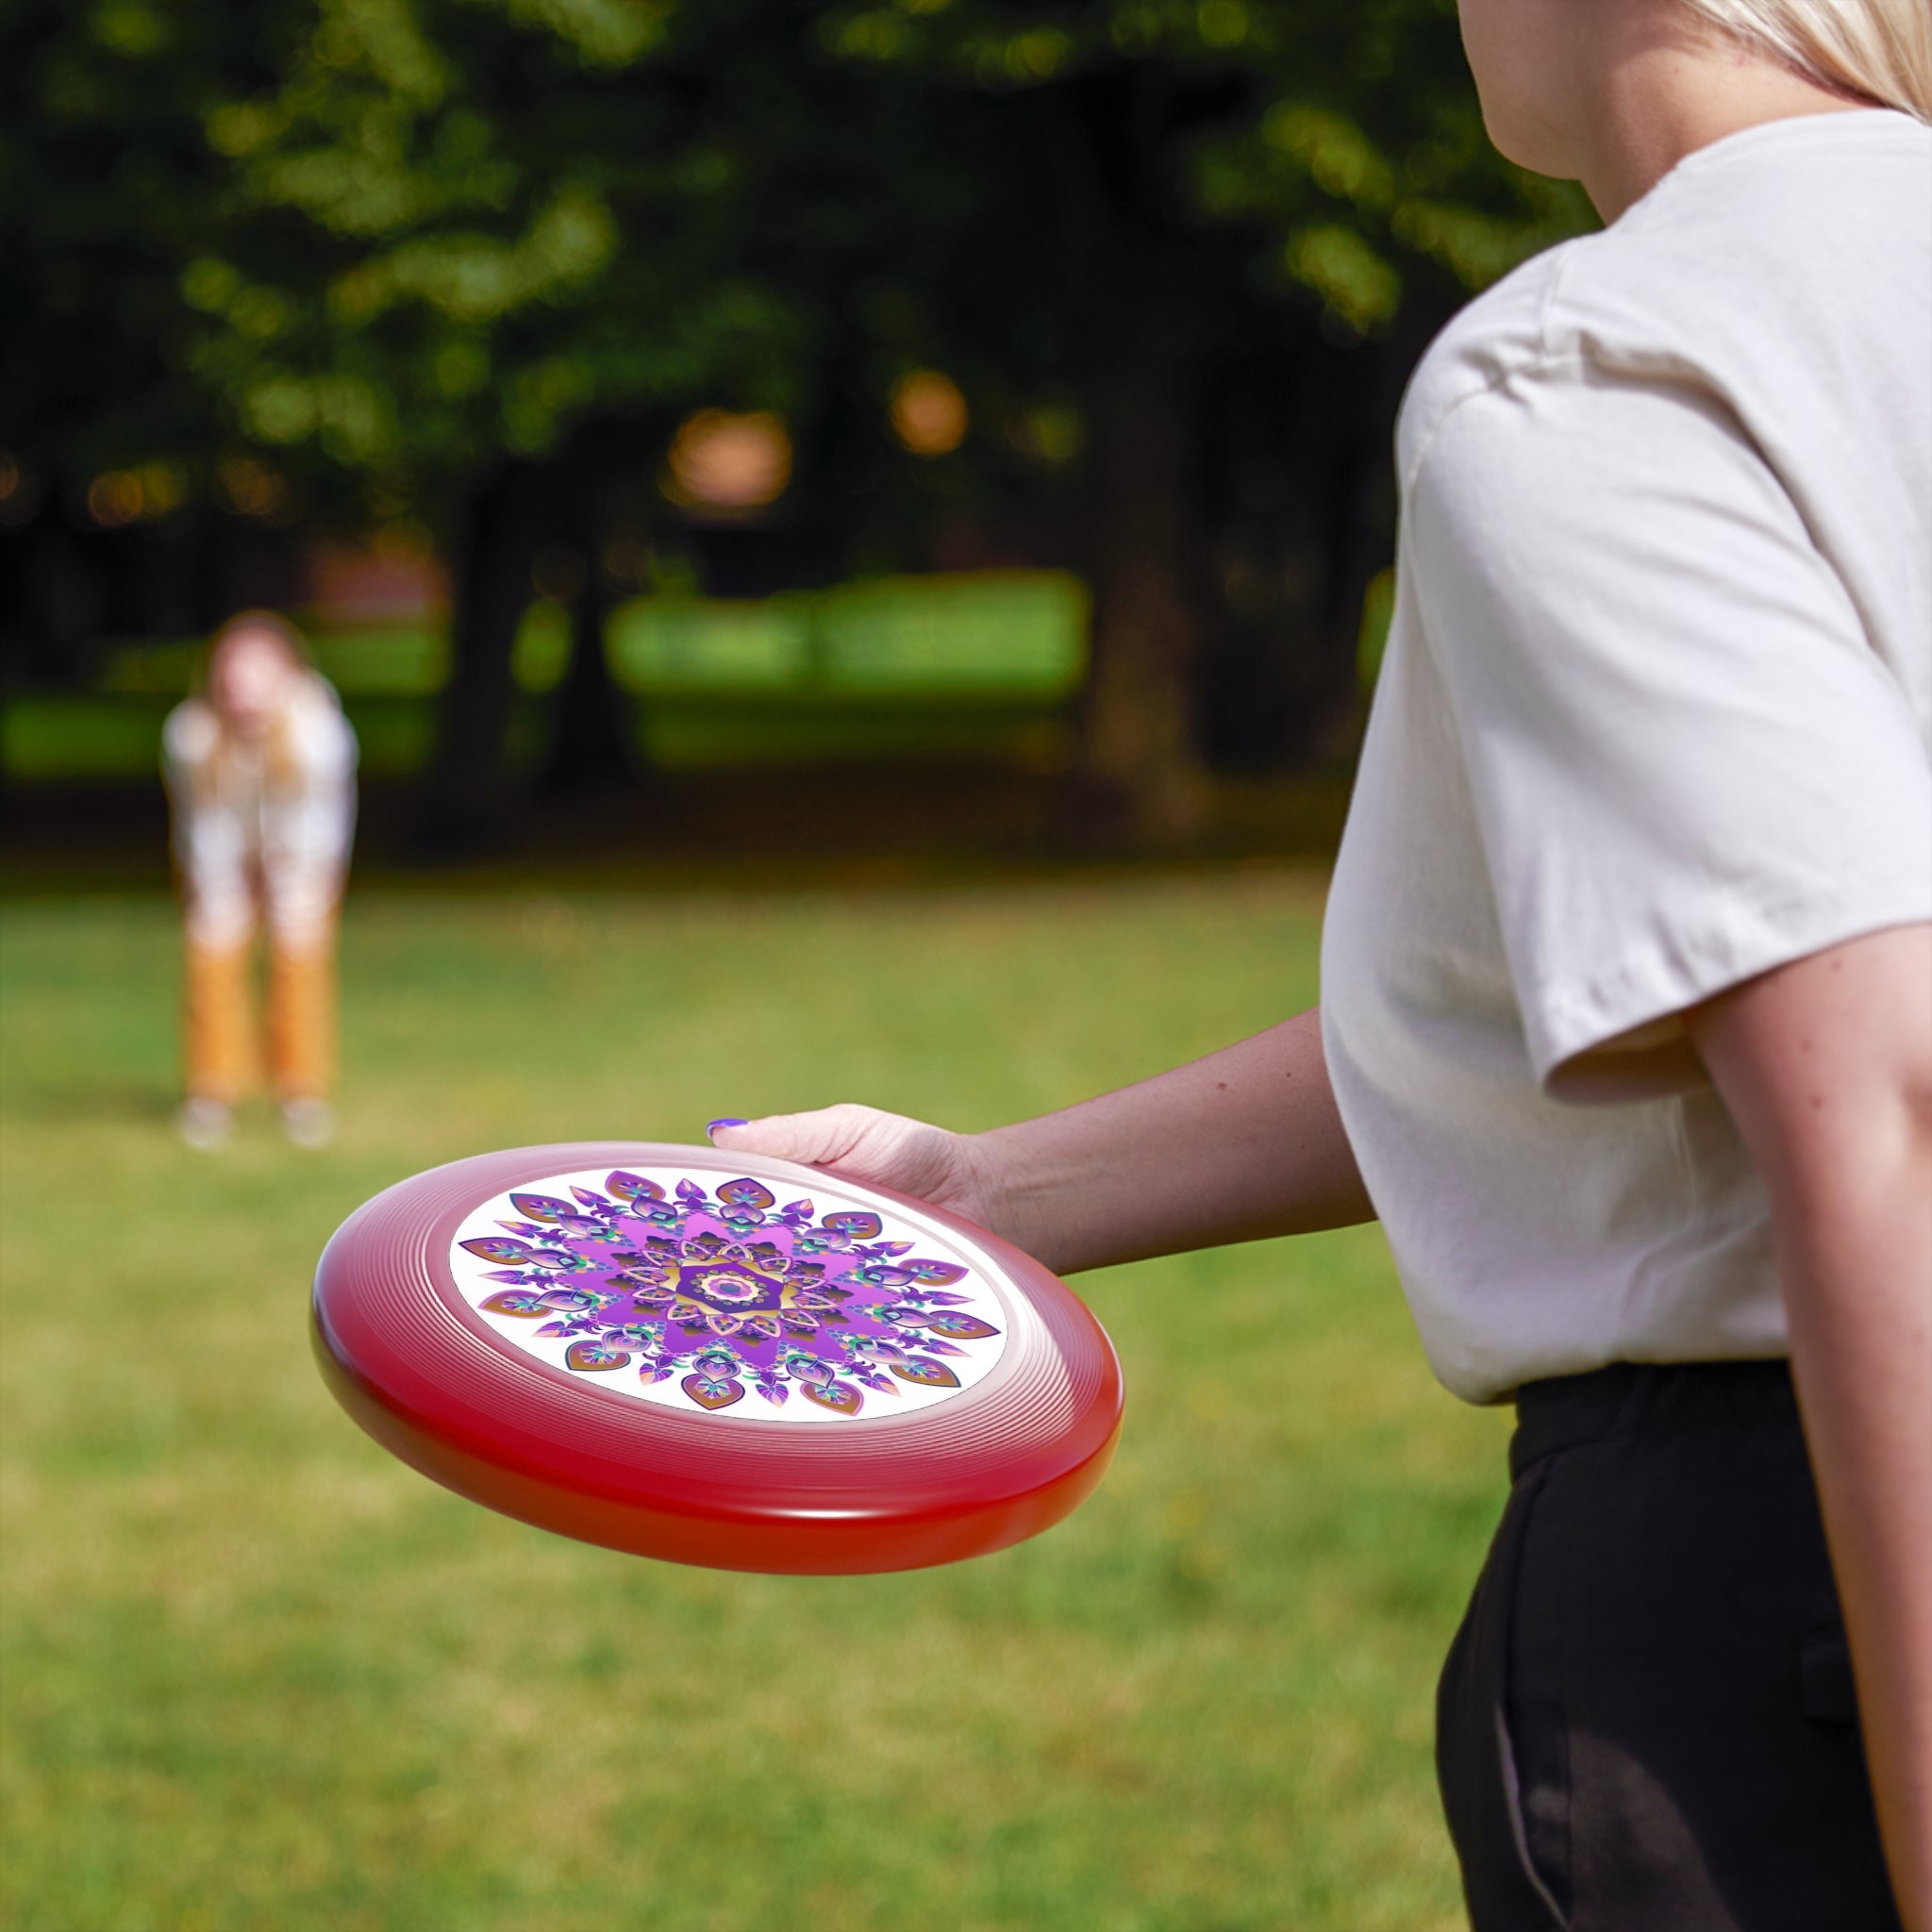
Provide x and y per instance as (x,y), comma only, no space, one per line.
(929,415)
(114,499)
(728,464)
(250,487)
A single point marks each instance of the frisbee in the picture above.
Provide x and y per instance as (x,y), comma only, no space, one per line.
(716,1358)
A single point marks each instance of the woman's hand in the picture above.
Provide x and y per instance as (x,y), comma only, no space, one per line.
(884,1150)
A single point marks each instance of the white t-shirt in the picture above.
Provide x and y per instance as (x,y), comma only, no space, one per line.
(251,825)
(1655,716)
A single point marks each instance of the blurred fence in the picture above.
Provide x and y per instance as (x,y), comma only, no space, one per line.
(895,668)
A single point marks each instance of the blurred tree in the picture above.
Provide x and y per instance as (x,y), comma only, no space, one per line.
(469,262)
(516,237)
(107,189)
(532,238)
(1232,196)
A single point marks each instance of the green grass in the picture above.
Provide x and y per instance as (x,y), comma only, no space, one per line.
(69,735)
(982,665)
(258,1674)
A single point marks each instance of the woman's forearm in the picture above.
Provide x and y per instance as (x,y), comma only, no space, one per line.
(1244,1144)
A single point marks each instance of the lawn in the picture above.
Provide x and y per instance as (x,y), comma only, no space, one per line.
(977,665)
(257,1675)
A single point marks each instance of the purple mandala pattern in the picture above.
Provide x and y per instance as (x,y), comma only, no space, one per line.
(727,1295)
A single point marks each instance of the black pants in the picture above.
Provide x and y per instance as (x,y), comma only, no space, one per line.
(1646,1721)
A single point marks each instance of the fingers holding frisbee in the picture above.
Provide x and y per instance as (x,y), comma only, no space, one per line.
(864,1145)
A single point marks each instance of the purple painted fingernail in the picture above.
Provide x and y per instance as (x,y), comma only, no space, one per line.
(713,1127)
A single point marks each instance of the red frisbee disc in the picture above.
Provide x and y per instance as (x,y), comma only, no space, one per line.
(716,1358)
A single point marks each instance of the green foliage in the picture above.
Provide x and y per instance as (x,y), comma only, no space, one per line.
(1347,132)
(396,239)
(499,239)
(257,1673)
(107,189)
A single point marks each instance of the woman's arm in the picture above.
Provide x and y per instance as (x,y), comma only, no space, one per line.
(1244,1144)
(1826,1068)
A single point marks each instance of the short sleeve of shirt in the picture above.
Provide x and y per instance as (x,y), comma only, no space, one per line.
(1688,763)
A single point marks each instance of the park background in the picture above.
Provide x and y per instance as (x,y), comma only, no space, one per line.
(856,539)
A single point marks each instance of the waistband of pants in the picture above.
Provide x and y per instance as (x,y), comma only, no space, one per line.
(1640,1398)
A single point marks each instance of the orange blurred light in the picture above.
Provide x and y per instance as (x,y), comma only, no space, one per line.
(929,415)
(114,499)
(728,464)
(251,488)
(10,476)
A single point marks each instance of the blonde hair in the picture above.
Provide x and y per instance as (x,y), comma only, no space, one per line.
(1879,50)
(258,623)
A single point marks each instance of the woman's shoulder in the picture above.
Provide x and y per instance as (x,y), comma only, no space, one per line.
(319,732)
(1498,335)
(191,733)
(315,695)
(1753,267)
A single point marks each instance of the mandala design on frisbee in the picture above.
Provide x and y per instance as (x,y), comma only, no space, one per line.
(726,1302)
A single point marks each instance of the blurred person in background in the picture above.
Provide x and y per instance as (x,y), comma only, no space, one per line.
(1626,1021)
(261,768)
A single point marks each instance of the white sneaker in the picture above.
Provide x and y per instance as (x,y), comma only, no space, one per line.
(308,1121)
(203,1124)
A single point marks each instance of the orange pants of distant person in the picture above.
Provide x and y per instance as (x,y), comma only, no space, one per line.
(223,1042)
(261,831)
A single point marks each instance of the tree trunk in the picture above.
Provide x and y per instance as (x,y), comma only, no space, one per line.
(63,605)
(1139,739)
(1133,304)
(1358,484)
(466,802)
(591,744)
